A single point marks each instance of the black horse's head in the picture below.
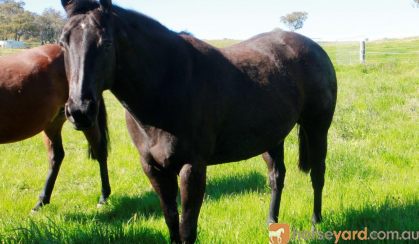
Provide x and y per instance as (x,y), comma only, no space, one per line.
(89,53)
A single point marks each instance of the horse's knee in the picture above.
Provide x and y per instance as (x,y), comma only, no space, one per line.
(56,158)
(276,179)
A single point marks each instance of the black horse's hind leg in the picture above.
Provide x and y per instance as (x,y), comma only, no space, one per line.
(99,152)
(317,150)
(276,169)
(319,142)
(192,190)
(165,184)
(53,142)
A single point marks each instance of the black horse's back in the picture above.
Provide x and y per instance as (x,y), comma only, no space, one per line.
(294,56)
(301,61)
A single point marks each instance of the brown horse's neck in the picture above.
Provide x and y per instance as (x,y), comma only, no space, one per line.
(60,74)
(56,69)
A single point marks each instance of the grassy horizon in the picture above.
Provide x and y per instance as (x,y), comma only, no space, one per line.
(371,178)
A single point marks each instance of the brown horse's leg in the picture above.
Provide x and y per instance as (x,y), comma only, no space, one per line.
(276,170)
(165,184)
(192,188)
(53,142)
(99,152)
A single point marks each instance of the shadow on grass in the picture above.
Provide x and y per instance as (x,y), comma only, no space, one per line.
(123,208)
(115,223)
(235,184)
(147,205)
(387,217)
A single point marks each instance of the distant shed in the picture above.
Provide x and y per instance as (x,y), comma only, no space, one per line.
(12,44)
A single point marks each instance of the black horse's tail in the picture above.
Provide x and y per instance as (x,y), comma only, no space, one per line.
(104,143)
(304,161)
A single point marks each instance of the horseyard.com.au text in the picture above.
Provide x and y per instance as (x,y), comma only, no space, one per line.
(354,235)
(282,234)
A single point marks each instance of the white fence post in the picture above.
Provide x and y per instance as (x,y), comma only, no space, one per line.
(362,51)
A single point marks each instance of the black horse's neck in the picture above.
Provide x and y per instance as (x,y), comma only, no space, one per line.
(152,65)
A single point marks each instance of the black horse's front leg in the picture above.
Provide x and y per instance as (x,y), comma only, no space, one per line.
(106,187)
(165,184)
(192,188)
(98,150)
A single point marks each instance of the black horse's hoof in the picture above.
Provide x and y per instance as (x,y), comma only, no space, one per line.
(38,207)
(316,219)
(102,201)
(271,221)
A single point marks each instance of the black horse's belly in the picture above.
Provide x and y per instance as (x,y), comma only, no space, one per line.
(232,147)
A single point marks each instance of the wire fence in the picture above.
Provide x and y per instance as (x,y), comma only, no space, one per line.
(344,51)
(384,51)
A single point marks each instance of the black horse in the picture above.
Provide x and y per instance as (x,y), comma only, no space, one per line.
(191,105)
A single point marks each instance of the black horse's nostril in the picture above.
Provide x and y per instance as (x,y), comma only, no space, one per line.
(68,114)
(83,115)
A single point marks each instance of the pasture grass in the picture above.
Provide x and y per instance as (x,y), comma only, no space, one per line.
(381,51)
(8,51)
(371,179)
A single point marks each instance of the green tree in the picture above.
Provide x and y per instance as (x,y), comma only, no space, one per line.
(8,10)
(50,25)
(14,20)
(24,25)
(294,20)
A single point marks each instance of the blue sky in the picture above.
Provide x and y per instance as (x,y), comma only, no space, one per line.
(241,19)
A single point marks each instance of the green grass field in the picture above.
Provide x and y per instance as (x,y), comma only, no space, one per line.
(372,177)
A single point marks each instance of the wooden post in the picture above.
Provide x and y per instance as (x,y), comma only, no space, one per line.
(362,51)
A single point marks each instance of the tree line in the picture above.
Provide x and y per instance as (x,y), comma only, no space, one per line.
(18,24)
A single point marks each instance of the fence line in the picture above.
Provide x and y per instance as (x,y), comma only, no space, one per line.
(393,53)
(352,52)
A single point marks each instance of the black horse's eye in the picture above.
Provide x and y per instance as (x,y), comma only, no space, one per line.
(106,44)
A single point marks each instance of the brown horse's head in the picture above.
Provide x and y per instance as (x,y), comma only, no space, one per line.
(89,54)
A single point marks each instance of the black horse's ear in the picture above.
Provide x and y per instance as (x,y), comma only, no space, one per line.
(65,2)
(106,5)
(68,6)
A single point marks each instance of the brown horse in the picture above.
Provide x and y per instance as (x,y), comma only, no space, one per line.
(33,91)
(192,105)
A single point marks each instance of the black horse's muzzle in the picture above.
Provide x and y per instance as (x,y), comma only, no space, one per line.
(81,114)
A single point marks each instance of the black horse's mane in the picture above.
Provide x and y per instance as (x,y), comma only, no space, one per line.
(144,20)
(138,19)
(130,16)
